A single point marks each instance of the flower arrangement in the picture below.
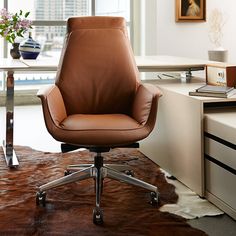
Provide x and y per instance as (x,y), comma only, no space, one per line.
(13,25)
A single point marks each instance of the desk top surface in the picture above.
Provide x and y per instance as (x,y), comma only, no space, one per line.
(183,86)
(6,64)
(169,63)
(144,63)
(19,64)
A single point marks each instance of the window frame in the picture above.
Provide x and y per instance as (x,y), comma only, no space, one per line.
(63,22)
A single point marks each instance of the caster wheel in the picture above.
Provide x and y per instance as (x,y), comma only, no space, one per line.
(41,199)
(154,198)
(97,216)
(67,172)
(130,173)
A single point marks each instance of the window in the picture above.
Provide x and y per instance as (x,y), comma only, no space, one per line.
(49,27)
(115,8)
(49,19)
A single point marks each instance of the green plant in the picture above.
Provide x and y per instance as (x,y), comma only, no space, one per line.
(13,25)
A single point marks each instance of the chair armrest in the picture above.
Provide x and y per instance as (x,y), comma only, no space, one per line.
(53,105)
(145,104)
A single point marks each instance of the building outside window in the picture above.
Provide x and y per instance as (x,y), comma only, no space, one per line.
(49,28)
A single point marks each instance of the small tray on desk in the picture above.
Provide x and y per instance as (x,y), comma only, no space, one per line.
(213,91)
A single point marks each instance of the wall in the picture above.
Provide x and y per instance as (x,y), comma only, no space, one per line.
(151,26)
(145,27)
(191,39)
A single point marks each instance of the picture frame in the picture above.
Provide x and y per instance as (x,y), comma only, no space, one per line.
(190,10)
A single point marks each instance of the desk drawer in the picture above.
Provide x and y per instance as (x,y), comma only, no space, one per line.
(220,152)
(220,158)
(221,123)
(221,183)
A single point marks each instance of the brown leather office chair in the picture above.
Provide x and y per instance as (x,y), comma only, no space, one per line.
(98,102)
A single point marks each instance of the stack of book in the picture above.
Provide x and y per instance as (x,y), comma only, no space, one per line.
(213,91)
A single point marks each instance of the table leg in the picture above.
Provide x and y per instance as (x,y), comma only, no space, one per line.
(8,149)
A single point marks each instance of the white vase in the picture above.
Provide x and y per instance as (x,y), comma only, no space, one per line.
(218,55)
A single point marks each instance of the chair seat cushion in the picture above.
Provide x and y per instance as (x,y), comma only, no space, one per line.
(100,129)
(99,122)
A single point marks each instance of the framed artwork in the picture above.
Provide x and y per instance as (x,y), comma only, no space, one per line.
(190,10)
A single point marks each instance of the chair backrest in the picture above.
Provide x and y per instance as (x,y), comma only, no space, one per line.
(97,73)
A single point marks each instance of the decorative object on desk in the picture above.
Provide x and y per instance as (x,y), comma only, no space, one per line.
(213,91)
(216,22)
(129,215)
(221,74)
(220,55)
(14,51)
(30,49)
(190,10)
(13,26)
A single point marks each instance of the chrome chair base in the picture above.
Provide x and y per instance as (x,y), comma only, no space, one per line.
(98,171)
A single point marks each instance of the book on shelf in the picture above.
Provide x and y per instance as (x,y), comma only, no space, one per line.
(213,91)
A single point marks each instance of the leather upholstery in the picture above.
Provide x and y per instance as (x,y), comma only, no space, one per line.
(98,99)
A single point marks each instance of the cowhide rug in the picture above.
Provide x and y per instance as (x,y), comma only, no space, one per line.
(69,208)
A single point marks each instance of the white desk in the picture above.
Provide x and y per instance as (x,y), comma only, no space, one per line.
(10,66)
(177,141)
(147,63)
(165,63)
